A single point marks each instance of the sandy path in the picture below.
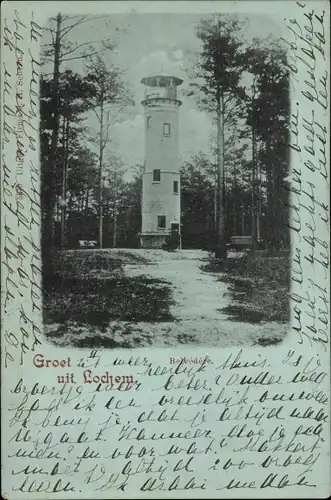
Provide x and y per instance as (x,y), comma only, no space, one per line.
(198,298)
(197,295)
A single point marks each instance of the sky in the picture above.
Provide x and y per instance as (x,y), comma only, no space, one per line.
(148,44)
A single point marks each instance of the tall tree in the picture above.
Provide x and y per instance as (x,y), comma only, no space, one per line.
(59,50)
(218,73)
(109,89)
(132,213)
(250,113)
(197,202)
(114,193)
(73,94)
(268,117)
(81,199)
(234,154)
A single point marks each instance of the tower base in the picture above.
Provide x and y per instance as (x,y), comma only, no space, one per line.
(153,240)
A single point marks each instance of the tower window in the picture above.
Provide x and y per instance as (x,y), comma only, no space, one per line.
(166,129)
(175,187)
(161,221)
(149,121)
(156,175)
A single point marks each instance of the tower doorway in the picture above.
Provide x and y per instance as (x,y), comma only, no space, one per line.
(175,233)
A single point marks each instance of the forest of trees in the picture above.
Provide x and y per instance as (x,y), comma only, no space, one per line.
(237,188)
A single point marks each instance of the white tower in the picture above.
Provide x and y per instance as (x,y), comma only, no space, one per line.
(161,178)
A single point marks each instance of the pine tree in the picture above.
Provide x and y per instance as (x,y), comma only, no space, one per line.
(73,93)
(59,50)
(109,89)
(268,116)
(217,87)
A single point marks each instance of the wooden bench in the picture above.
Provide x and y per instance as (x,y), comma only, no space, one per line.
(87,243)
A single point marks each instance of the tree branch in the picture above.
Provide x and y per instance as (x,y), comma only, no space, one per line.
(116,114)
(66,18)
(66,30)
(83,19)
(95,111)
(106,139)
(85,56)
(229,99)
(79,46)
(47,28)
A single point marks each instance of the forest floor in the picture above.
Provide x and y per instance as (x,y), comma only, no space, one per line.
(139,298)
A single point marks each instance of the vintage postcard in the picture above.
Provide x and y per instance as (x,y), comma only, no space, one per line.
(165,249)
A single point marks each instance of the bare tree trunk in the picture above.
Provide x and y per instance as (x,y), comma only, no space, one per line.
(259,205)
(258,224)
(220,246)
(82,202)
(101,173)
(64,182)
(115,209)
(253,208)
(57,210)
(234,201)
(215,205)
(115,229)
(270,203)
(63,211)
(86,200)
(50,198)
(222,199)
